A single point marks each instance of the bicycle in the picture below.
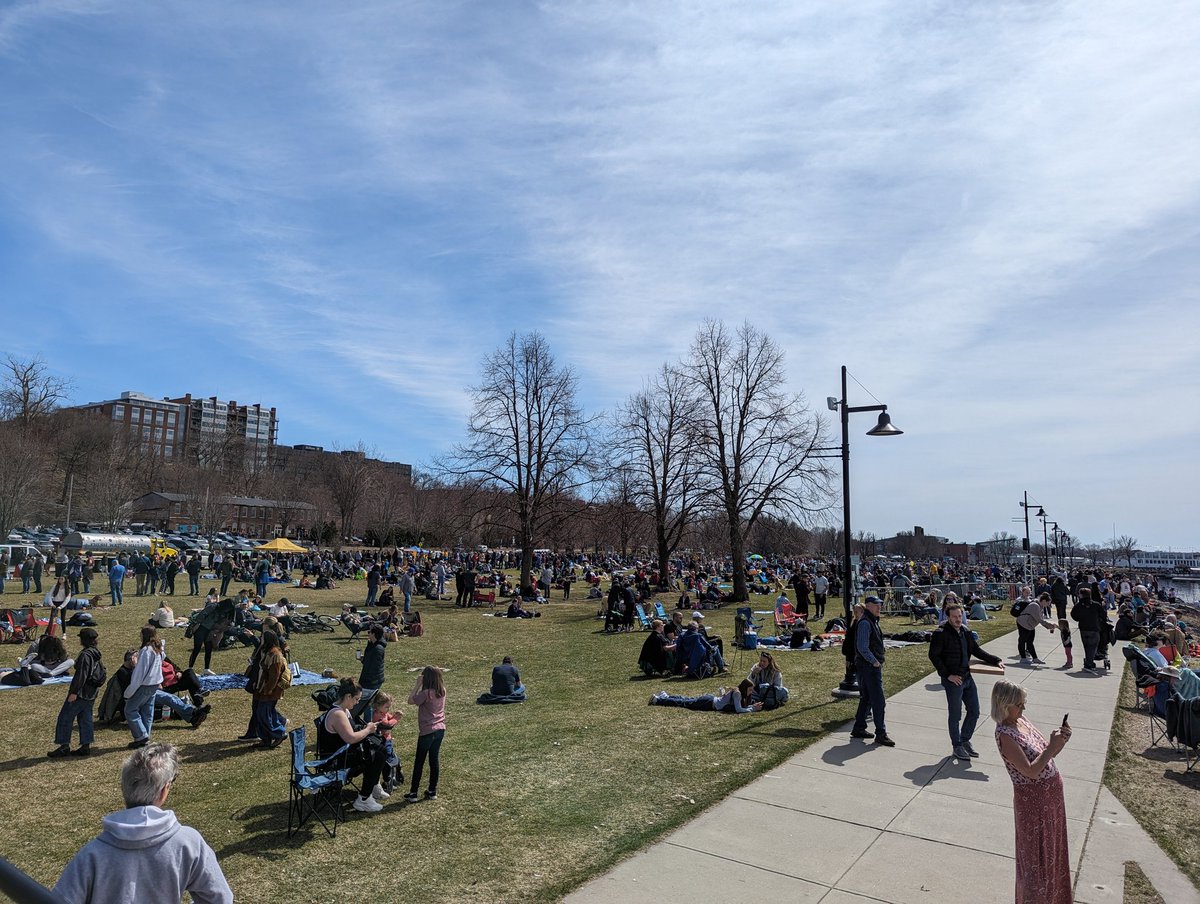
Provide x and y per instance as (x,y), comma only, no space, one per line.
(311,624)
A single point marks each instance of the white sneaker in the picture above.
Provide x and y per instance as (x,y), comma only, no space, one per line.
(208,673)
(379,794)
(367,805)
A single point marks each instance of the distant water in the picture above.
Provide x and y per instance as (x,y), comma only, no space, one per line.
(1187,590)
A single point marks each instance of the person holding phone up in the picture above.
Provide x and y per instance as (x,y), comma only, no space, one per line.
(1039,809)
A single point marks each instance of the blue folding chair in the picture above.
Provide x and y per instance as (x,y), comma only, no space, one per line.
(641,616)
(659,611)
(314,792)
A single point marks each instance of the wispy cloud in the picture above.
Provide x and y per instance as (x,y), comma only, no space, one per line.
(988,212)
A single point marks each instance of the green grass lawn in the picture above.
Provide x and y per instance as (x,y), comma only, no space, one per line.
(533,800)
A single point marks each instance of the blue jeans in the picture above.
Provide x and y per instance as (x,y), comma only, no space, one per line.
(408,600)
(225,584)
(870,698)
(139,711)
(261,588)
(114,590)
(80,711)
(703,703)
(185,711)
(193,584)
(269,723)
(26,580)
(372,595)
(956,696)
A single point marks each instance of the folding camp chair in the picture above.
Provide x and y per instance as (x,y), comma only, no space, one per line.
(641,616)
(743,621)
(313,792)
(1145,677)
(660,612)
(785,617)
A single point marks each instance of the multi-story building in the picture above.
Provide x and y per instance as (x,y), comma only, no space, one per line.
(160,423)
(223,428)
(307,461)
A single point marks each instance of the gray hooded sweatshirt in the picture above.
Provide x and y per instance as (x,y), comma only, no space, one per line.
(144,854)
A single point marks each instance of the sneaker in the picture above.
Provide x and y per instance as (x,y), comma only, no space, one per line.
(1108,665)
(85,750)
(966,745)
(961,752)
(411,797)
(1037,661)
(861,733)
(379,794)
(208,673)
(884,741)
(1024,660)
(64,750)
(431,795)
(367,805)
(134,745)
(1089,670)
(248,737)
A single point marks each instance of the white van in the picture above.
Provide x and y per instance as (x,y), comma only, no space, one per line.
(17,553)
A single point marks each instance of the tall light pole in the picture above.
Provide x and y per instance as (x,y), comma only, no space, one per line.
(1041,513)
(884,427)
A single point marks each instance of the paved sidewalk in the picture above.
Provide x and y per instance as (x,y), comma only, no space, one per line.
(846,822)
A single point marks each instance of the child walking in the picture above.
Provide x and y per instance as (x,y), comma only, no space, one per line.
(81,697)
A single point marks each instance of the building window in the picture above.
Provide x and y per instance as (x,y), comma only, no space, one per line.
(168,451)
(118,412)
(158,435)
(159,417)
(145,433)
(135,415)
(170,435)
(170,420)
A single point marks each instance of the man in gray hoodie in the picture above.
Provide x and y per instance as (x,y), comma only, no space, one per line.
(143,852)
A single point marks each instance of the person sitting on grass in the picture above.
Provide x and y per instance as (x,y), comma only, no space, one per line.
(767,680)
(46,658)
(143,853)
(732,700)
(164,616)
(515,611)
(506,685)
(657,656)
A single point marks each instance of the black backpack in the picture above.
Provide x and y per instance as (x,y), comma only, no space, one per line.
(1017,608)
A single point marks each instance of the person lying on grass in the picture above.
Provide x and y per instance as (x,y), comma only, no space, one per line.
(726,700)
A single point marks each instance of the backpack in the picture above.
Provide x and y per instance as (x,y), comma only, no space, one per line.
(96,679)
(1017,608)
(326,698)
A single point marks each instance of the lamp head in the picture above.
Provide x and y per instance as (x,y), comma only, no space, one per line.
(1041,512)
(832,402)
(884,427)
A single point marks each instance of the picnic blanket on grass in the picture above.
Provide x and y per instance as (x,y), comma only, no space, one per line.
(207,682)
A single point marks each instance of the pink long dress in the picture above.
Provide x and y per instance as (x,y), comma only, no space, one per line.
(1040,814)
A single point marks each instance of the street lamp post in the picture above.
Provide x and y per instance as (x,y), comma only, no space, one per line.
(884,427)
(1041,513)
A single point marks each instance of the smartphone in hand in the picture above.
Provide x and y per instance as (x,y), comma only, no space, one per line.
(1064,725)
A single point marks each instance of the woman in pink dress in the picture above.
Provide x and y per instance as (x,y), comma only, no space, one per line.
(1039,810)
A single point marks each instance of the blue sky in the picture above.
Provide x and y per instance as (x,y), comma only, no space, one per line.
(989,212)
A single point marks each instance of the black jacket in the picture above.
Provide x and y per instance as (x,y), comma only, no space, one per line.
(90,674)
(372,665)
(1089,615)
(950,651)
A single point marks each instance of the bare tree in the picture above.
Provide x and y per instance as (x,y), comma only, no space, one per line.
(529,445)
(28,391)
(755,439)
(113,482)
(348,477)
(1125,547)
(654,443)
(24,461)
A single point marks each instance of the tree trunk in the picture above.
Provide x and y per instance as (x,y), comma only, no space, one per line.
(664,578)
(737,550)
(526,558)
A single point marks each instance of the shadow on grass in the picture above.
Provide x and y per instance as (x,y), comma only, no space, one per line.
(230,748)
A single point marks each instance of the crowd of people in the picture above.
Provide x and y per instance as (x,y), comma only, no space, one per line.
(362,717)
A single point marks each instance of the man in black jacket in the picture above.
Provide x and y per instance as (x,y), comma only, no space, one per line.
(1090,615)
(81,697)
(950,650)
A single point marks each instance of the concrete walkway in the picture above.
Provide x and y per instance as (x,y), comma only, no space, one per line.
(846,822)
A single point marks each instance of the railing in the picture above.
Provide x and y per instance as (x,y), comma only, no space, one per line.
(20,888)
